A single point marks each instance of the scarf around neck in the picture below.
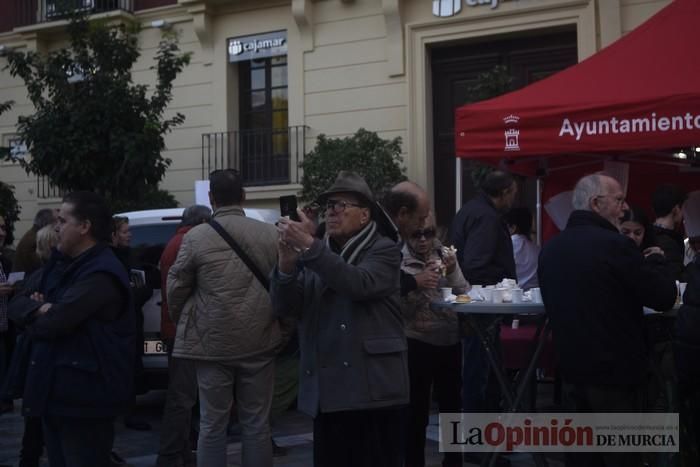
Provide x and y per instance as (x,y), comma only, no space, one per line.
(356,243)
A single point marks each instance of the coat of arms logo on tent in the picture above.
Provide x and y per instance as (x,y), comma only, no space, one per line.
(512,134)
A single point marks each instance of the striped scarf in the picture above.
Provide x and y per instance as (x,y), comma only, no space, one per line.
(356,243)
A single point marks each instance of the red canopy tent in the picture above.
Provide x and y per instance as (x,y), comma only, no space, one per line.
(633,101)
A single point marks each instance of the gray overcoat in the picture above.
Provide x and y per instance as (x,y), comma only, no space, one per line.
(353,346)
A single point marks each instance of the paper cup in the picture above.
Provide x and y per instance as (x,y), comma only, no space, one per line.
(486,294)
(516,295)
(446,292)
(497,296)
(536,295)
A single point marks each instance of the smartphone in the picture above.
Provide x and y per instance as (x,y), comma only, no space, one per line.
(288,207)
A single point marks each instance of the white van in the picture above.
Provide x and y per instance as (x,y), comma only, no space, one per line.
(150,231)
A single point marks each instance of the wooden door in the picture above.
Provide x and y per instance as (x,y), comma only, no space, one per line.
(455,69)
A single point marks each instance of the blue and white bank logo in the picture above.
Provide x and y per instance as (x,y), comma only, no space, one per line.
(235,48)
(446,8)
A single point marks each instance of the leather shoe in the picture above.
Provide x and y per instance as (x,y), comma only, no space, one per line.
(115,460)
(136,424)
(277,451)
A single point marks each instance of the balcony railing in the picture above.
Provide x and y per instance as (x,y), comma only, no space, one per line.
(42,11)
(45,190)
(262,156)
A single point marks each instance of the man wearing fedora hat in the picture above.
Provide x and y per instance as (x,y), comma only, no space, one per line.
(344,289)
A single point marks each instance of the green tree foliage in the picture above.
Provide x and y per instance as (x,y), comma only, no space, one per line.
(94,129)
(9,208)
(376,159)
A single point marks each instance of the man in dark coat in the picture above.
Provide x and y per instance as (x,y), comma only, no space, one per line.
(594,284)
(82,351)
(485,254)
(345,291)
(686,350)
(667,202)
(408,207)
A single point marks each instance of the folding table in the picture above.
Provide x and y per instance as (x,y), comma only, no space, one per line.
(513,393)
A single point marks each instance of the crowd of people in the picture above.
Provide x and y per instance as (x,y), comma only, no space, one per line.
(353,280)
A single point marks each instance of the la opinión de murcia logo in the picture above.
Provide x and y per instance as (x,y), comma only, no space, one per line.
(237,47)
(512,134)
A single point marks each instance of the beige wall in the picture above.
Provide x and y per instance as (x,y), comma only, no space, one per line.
(360,63)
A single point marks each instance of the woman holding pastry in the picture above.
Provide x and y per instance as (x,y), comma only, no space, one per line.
(434,350)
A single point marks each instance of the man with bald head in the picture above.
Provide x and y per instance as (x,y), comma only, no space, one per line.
(408,206)
(594,284)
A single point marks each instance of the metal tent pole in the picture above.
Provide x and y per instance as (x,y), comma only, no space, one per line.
(539,211)
(458,190)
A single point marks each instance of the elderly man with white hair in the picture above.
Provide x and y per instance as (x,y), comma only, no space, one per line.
(595,283)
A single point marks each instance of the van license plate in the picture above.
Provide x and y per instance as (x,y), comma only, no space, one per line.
(154,347)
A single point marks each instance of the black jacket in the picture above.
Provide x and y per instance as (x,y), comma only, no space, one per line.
(82,348)
(687,339)
(594,284)
(674,249)
(482,239)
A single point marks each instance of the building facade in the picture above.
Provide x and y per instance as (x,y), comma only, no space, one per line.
(268,76)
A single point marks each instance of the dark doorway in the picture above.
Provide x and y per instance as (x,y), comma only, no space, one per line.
(455,68)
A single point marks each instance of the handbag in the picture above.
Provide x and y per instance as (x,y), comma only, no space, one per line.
(241,254)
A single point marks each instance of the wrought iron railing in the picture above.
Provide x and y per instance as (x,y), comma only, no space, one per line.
(45,189)
(262,156)
(42,11)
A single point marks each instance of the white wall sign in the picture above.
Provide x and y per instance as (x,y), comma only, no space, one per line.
(446,8)
(271,44)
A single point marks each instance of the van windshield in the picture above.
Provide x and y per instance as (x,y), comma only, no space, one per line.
(151,235)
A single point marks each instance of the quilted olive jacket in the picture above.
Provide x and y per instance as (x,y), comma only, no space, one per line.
(221,310)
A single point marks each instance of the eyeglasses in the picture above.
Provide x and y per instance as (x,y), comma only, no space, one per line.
(620,200)
(427,233)
(338,206)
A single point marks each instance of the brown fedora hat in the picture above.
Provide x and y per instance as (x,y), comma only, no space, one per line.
(349,182)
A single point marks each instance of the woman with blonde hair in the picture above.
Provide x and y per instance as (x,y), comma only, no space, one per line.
(32,440)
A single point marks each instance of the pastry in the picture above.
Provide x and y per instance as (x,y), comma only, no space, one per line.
(463,299)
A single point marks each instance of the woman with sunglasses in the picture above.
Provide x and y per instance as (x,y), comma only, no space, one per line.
(434,350)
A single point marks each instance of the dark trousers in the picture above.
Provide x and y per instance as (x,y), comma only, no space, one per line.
(175,449)
(360,438)
(78,442)
(437,367)
(32,443)
(601,399)
(689,402)
(480,390)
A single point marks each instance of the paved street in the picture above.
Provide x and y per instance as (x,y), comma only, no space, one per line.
(293,431)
